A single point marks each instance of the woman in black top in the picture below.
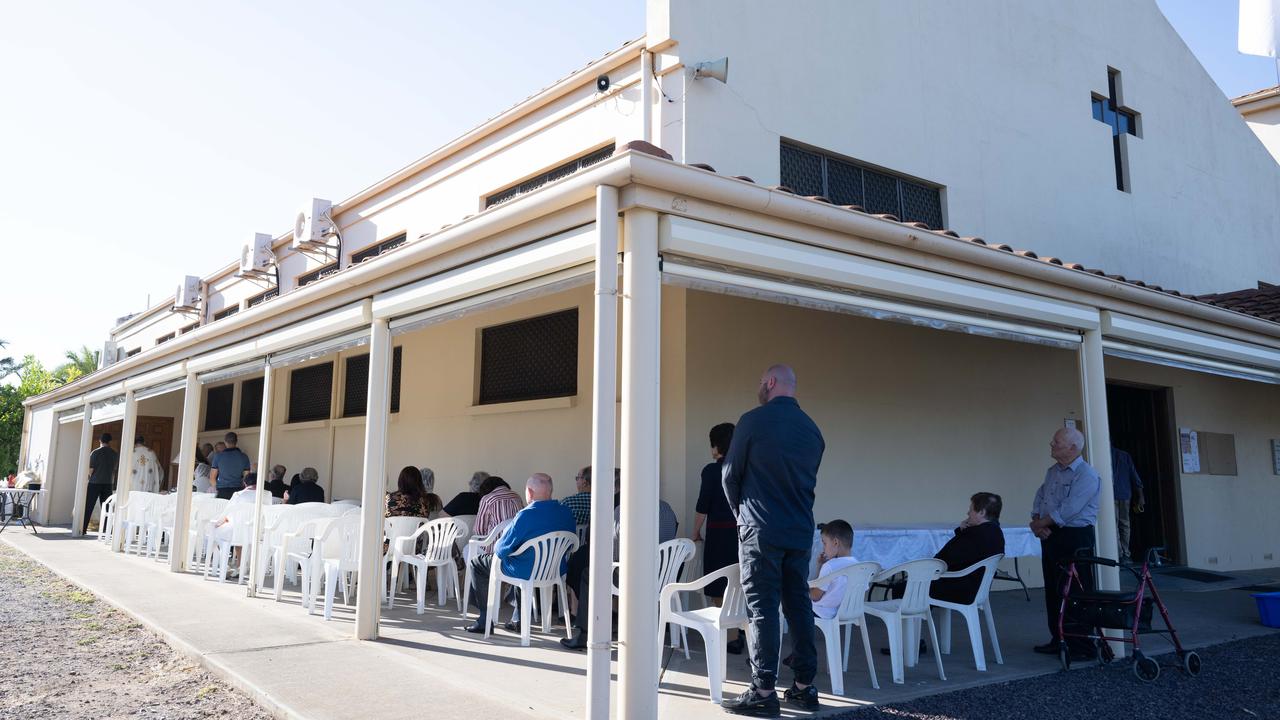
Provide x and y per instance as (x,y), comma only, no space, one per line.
(978,538)
(721,536)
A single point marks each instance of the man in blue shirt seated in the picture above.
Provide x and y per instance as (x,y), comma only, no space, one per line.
(540,516)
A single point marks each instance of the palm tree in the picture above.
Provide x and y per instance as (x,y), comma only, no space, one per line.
(79,362)
(7,365)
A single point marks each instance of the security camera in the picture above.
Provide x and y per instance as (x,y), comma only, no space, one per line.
(602,83)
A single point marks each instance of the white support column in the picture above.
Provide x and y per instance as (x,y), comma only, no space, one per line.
(51,459)
(186,474)
(646,96)
(125,478)
(1093,388)
(638,643)
(371,496)
(264,471)
(82,471)
(604,393)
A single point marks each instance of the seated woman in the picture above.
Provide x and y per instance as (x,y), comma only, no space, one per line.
(467,502)
(434,503)
(408,500)
(978,538)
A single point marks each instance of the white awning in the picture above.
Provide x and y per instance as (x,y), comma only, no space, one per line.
(520,292)
(566,250)
(1148,336)
(769,256)
(251,356)
(1184,361)
(834,300)
(107,410)
(319,349)
(161,389)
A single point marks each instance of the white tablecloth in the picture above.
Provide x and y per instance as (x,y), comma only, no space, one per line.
(890,545)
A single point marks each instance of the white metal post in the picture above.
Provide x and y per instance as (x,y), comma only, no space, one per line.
(638,649)
(50,461)
(264,471)
(125,479)
(186,474)
(604,393)
(1093,388)
(82,472)
(371,496)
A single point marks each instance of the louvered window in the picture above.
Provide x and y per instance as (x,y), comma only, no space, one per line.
(374,251)
(262,297)
(848,182)
(251,403)
(227,312)
(530,359)
(310,393)
(217,407)
(355,395)
(306,279)
(561,171)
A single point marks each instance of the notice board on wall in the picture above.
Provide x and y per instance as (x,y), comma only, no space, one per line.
(1207,453)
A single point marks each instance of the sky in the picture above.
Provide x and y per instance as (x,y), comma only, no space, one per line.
(147,140)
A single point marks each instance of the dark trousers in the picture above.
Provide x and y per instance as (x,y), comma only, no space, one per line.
(225,493)
(97,492)
(1060,546)
(578,579)
(773,575)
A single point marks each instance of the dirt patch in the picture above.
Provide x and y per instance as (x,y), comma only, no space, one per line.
(68,655)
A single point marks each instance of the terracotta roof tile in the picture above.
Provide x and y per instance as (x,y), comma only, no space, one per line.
(1262,301)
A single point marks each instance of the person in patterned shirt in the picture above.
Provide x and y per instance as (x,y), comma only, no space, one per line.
(580,502)
(497,504)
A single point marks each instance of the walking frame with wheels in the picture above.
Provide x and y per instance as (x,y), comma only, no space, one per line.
(1128,611)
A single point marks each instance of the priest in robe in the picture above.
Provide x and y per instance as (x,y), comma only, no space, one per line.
(147,473)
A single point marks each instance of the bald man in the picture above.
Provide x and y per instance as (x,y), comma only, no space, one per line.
(769,475)
(1062,516)
(541,515)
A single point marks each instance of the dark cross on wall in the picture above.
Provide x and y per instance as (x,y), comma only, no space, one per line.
(1122,121)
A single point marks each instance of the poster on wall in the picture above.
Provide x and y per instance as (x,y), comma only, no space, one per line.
(1190,445)
(1275,455)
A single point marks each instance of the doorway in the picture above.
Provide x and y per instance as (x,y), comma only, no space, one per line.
(157,434)
(1141,420)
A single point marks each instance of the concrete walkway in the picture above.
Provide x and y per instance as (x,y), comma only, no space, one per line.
(301,666)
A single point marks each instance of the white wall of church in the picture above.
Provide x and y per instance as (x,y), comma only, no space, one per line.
(61,482)
(1263,119)
(991,99)
(1230,518)
(915,420)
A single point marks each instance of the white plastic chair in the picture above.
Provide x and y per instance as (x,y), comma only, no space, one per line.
(584,534)
(712,623)
(133,515)
(240,519)
(337,555)
(394,528)
(912,608)
(299,547)
(106,521)
(468,524)
(672,555)
(160,524)
(549,553)
(268,538)
(349,503)
(203,512)
(850,613)
(981,603)
(476,547)
(440,536)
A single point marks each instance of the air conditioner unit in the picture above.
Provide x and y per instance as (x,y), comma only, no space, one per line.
(312,226)
(188,295)
(257,258)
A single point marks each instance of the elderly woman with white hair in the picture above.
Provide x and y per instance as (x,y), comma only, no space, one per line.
(467,502)
(432,500)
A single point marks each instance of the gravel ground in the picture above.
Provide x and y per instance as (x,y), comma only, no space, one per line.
(77,658)
(1239,679)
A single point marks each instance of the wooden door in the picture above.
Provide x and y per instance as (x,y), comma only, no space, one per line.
(157,434)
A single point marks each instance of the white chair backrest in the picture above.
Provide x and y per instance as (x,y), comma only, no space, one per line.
(672,555)
(494,534)
(734,608)
(468,522)
(340,539)
(356,503)
(440,536)
(137,505)
(857,582)
(988,567)
(206,512)
(395,528)
(548,551)
(584,532)
(920,573)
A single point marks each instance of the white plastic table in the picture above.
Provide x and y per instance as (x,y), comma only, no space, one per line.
(12,499)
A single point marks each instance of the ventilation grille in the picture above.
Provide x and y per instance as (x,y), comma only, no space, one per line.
(846,182)
(217,407)
(530,359)
(310,393)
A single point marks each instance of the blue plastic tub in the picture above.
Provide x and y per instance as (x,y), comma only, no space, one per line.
(1269,608)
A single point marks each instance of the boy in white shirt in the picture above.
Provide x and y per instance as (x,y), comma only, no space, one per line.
(837,543)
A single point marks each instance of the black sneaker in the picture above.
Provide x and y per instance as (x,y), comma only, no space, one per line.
(735,647)
(752,704)
(806,699)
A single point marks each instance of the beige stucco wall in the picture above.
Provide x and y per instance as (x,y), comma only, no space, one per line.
(61,482)
(1232,519)
(915,420)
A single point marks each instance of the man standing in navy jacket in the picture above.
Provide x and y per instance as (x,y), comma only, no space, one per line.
(769,478)
(541,516)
